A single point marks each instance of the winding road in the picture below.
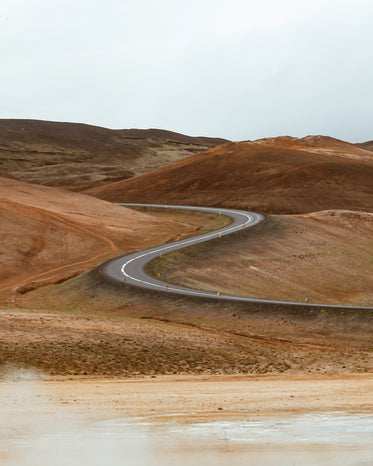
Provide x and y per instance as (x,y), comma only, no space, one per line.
(131,268)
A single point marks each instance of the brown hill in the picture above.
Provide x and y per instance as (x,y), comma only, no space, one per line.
(366,145)
(48,235)
(126,332)
(323,257)
(79,156)
(282,175)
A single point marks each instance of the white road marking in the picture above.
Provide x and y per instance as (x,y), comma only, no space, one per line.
(196,240)
(181,244)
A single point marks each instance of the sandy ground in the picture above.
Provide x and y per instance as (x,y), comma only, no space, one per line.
(220,397)
(207,397)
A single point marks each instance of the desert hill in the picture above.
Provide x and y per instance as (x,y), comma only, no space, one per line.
(88,326)
(78,156)
(282,175)
(323,257)
(48,234)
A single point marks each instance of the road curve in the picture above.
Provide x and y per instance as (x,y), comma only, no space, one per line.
(130,268)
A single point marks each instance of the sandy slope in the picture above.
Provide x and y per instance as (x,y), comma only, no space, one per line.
(282,175)
(325,257)
(48,234)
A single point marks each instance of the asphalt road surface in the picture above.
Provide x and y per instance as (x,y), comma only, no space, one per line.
(130,269)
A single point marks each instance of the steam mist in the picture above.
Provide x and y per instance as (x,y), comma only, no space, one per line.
(34,431)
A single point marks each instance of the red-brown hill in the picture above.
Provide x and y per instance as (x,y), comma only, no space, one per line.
(282,175)
(48,234)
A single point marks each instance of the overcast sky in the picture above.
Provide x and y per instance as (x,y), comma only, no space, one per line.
(239,69)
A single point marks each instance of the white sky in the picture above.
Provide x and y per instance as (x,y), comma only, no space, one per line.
(240,69)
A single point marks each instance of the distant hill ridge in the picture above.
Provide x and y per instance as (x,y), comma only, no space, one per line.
(366,145)
(66,133)
(78,156)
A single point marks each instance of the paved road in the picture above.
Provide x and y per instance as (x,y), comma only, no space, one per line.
(130,269)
